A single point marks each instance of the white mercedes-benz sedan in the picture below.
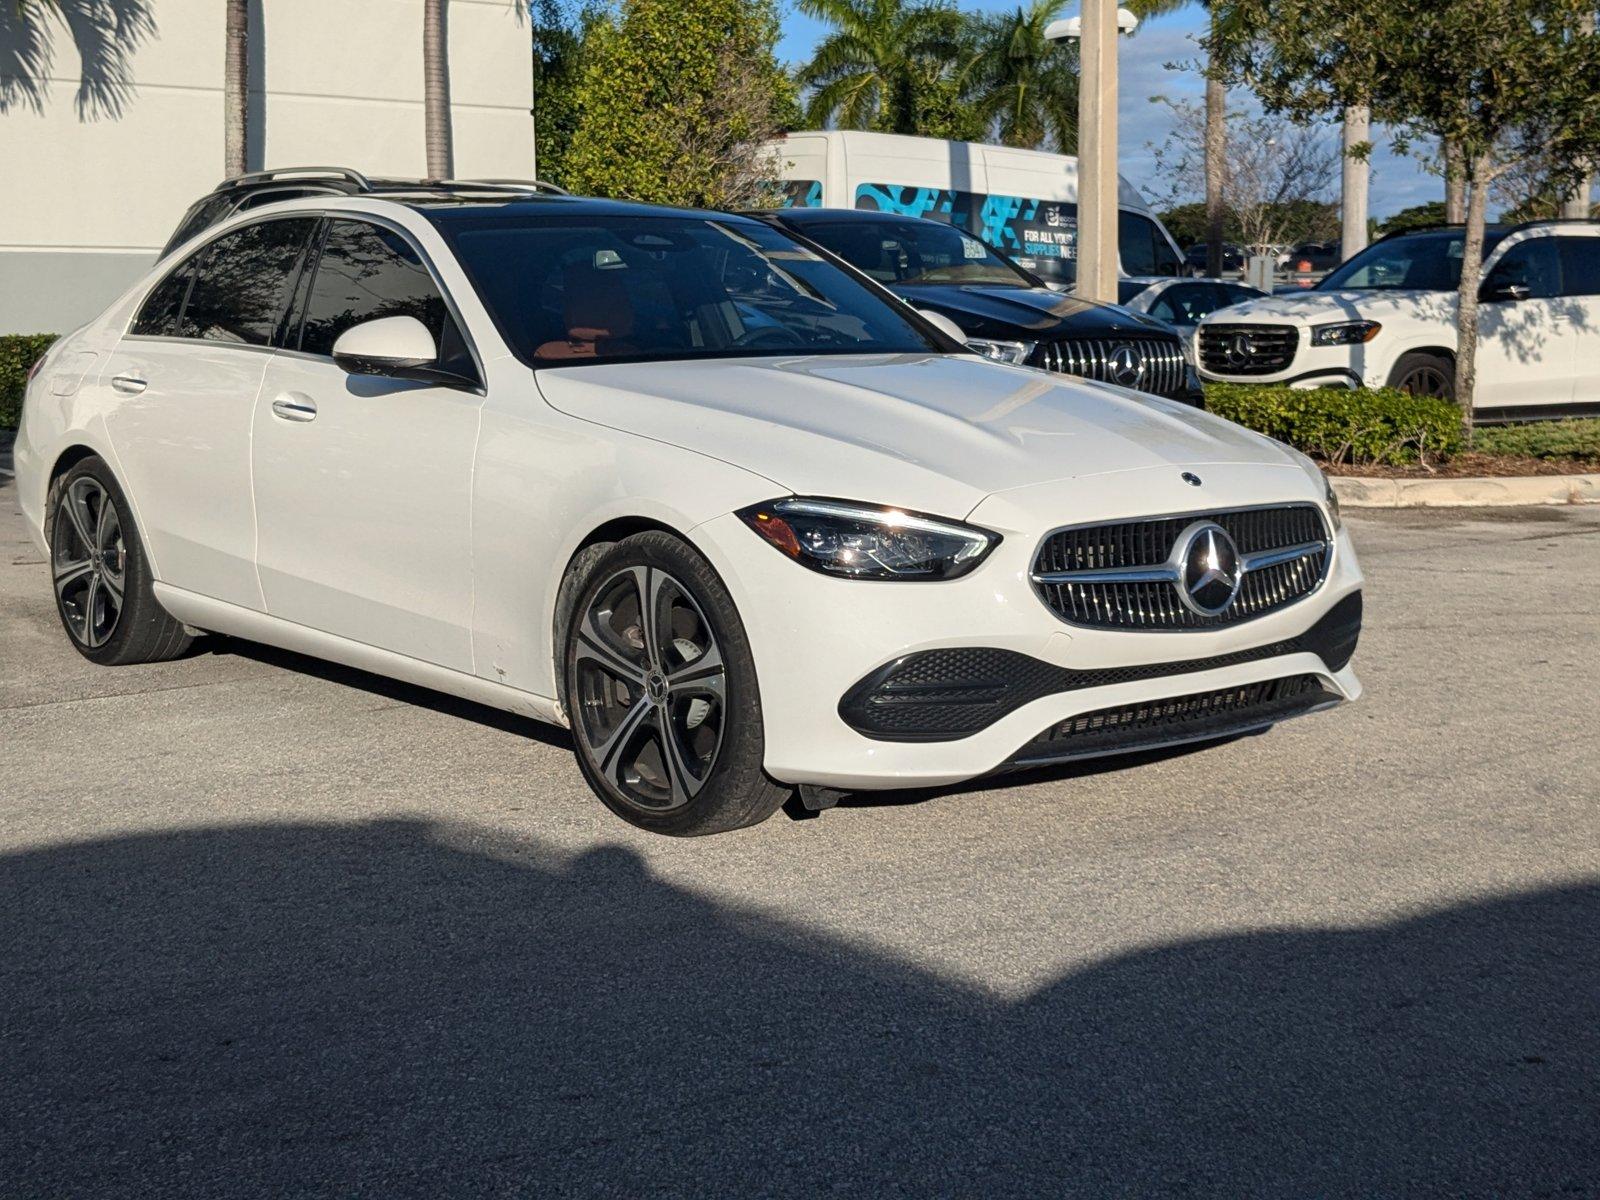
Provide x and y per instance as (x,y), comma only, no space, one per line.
(736,516)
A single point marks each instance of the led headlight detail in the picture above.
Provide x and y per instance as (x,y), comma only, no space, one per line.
(1006,352)
(1344,333)
(863,541)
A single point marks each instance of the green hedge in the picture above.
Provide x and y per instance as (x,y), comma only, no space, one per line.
(1336,425)
(1542,439)
(18,352)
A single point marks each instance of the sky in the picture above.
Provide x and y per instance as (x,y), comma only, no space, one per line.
(1152,64)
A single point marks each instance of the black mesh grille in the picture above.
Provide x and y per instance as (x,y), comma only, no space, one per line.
(1149,543)
(1192,717)
(940,695)
(1162,370)
(1247,349)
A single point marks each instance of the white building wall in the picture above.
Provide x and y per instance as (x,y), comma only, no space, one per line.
(85,204)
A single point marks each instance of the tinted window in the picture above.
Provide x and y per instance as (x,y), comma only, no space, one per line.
(1580,265)
(1532,264)
(1431,262)
(1042,235)
(242,282)
(1143,247)
(201,216)
(919,252)
(585,287)
(366,272)
(158,316)
(1127,289)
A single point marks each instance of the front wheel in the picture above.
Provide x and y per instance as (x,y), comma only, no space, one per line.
(1420,374)
(661,690)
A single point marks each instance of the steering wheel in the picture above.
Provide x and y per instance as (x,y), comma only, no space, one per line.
(774,336)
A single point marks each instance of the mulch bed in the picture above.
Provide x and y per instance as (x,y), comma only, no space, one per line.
(1465,466)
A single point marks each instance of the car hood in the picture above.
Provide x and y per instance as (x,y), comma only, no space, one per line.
(930,432)
(1027,314)
(1318,307)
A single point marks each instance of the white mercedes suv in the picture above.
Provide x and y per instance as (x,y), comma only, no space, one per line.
(729,511)
(1387,317)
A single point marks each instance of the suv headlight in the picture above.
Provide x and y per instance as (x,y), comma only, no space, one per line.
(1006,352)
(1344,333)
(863,541)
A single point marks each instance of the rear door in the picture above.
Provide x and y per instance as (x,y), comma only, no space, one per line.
(183,382)
(1580,297)
(363,485)
(1527,346)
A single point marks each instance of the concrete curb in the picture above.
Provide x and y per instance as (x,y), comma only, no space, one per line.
(1354,492)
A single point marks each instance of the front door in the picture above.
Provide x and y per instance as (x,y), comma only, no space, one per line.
(363,485)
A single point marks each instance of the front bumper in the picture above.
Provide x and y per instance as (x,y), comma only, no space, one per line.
(814,638)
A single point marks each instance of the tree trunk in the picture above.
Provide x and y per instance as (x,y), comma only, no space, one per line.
(1216,171)
(1455,186)
(436,90)
(1355,182)
(1577,204)
(235,86)
(1471,278)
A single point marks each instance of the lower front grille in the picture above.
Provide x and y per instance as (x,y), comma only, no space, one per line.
(1152,365)
(1199,716)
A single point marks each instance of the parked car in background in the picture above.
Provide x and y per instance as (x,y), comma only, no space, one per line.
(1388,317)
(1004,312)
(1183,303)
(1023,203)
(1310,257)
(740,519)
(1194,258)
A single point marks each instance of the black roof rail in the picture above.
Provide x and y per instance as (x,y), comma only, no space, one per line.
(532,185)
(346,174)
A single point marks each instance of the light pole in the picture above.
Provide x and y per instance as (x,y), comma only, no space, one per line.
(1096,31)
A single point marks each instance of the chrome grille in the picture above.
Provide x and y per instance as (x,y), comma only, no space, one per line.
(1161,366)
(1247,349)
(1297,530)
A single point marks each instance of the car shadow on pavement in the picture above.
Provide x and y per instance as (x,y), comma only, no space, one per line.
(406,1009)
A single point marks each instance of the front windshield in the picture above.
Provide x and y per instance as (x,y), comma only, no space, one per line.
(914,252)
(1427,262)
(575,288)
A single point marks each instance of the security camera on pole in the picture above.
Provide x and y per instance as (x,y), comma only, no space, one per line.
(1096,30)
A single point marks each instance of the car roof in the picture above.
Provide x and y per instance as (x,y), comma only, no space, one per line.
(818,216)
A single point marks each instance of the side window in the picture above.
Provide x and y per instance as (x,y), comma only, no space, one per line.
(366,272)
(1580,265)
(1144,249)
(1533,264)
(162,308)
(242,283)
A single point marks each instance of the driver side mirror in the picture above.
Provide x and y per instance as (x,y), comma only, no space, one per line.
(1504,291)
(392,347)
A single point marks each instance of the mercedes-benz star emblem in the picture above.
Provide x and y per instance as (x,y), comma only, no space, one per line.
(1126,366)
(1210,570)
(1239,350)
(1190,478)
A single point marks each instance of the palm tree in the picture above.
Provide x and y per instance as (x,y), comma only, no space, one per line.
(235,85)
(866,74)
(105,34)
(1024,86)
(436,90)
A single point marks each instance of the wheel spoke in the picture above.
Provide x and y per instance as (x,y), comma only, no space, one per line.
(69,573)
(113,589)
(704,676)
(75,505)
(609,752)
(596,648)
(684,783)
(105,527)
(91,597)
(655,614)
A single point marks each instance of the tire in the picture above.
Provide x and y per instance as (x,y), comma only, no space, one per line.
(666,715)
(101,575)
(1419,373)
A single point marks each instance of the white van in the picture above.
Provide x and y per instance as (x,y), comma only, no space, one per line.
(1023,202)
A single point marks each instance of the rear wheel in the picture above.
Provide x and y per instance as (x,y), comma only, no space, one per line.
(102,577)
(1421,374)
(662,693)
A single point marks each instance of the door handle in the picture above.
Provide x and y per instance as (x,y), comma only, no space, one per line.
(292,406)
(128,385)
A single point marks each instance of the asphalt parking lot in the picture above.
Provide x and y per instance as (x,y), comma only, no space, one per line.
(274,927)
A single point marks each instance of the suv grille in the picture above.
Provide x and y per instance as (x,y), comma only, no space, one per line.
(1247,349)
(1095,551)
(1145,364)
(1190,718)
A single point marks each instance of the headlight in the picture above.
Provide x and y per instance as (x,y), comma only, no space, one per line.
(1006,352)
(1344,333)
(861,541)
(1333,503)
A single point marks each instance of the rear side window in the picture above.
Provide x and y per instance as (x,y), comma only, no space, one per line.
(1580,265)
(1143,247)
(242,283)
(366,272)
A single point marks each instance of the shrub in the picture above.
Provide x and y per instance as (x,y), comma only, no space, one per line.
(1542,439)
(1377,426)
(18,352)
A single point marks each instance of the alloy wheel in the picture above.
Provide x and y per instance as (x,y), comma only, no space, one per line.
(1427,380)
(651,689)
(89,562)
